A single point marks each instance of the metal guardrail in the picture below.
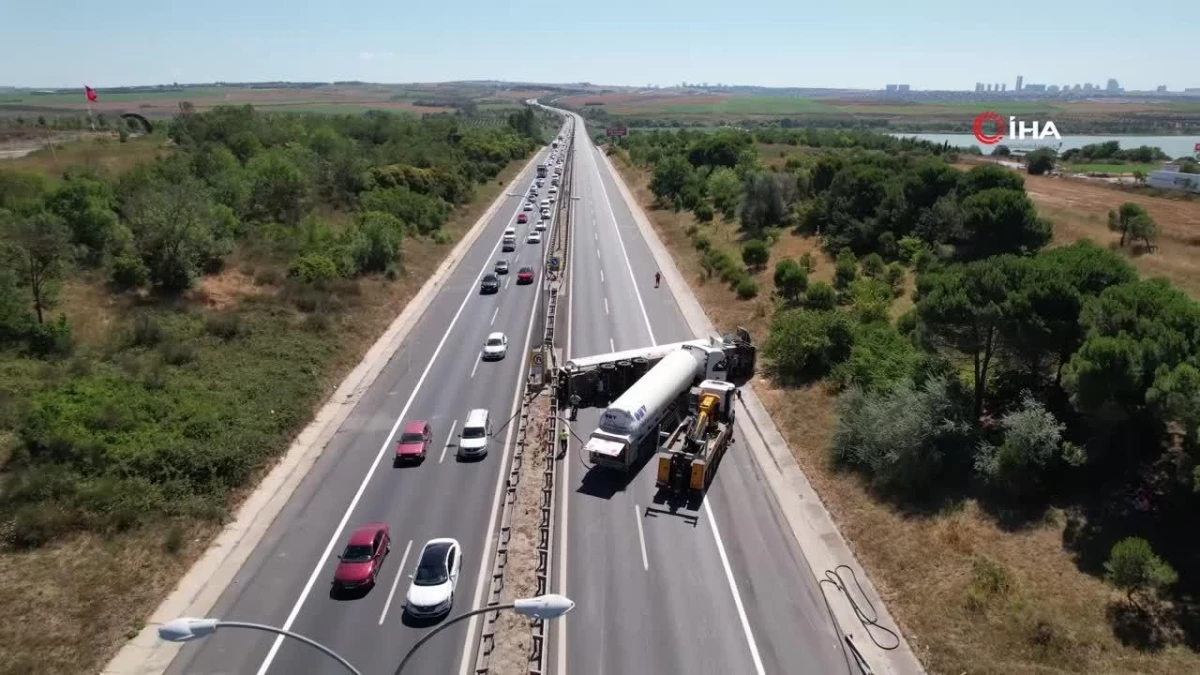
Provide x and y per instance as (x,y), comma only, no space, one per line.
(487,637)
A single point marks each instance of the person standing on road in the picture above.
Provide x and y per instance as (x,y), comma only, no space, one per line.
(657,279)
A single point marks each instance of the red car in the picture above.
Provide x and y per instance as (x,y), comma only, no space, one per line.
(414,441)
(359,563)
(525,275)
(522,218)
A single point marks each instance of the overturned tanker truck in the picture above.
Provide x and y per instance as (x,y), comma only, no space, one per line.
(648,392)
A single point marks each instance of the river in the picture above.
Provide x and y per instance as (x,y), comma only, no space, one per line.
(1175,146)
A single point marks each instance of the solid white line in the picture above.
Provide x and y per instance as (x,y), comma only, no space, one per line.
(560,625)
(612,216)
(494,314)
(606,305)
(477,360)
(471,641)
(362,488)
(637,515)
(737,597)
(399,573)
(449,440)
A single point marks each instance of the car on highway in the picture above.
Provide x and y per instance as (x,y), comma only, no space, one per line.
(501,267)
(509,245)
(359,563)
(489,284)
(541,225)
(522,219)
(432,590)
(473,439)
(535,237)
(553,189)
(414,442)
(495,347)
(546,213)
(541,182)
(553,199)
(528,206)
(525,275)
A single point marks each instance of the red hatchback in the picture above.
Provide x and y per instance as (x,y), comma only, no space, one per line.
(525,275)
(359,563)
(522,218)
(414,441)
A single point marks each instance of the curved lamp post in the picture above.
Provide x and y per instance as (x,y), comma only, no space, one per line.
(543,607)
(186,629)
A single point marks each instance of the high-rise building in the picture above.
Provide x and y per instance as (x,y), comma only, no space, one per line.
(1162,89)
(1020,79)
(978,87)
(989,87)
(997,87)
(902,87)
(891,88)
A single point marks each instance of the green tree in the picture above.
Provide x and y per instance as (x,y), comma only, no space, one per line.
(873,266)
(1040,161)
(804,345)
(178,231)
(846,270)
(22,192)
(762,203)
(1133,223)
(670,177)
(1134,568)
(791,279)
(86,206)
(999,221)
(279,190)
(820,296)
(755,253)
(725,189)
(990,177)
(379,241)
(37,248)
(1033,441)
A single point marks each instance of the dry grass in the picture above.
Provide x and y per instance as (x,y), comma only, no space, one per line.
(1051,617)
(99,591)
(102,152)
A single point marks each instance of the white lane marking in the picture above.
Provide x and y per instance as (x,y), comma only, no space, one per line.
(606,305)
(612,346)
(737,597)
(506,280)
(560,625)
(449,440)
(362,488)
(493,321)
(601,276)
(477,360)
(624,252)
(399,573)
(597,253)
(637,515)
(484,561)
(595,235)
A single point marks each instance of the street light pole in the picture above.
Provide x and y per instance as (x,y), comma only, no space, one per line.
(187,629)
(447,624)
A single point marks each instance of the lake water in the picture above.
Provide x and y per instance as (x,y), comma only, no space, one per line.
(1175,146)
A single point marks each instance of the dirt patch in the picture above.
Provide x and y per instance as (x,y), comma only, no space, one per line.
(227,289)
(1052,620)
(512,642)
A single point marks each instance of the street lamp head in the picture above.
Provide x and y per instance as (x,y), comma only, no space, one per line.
(549,606)
(185,629)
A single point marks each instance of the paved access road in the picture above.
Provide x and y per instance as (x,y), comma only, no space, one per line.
(723,592)
(435,375)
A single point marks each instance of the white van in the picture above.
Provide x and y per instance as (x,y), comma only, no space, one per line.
(476,431)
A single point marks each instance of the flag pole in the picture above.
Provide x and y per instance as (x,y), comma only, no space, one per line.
(87,93)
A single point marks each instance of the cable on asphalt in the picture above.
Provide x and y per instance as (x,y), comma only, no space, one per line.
(834,578)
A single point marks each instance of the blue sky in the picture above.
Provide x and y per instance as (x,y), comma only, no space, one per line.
(936,44)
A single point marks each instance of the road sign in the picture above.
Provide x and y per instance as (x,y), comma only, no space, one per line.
(536,371)
(554,263)
(618,131)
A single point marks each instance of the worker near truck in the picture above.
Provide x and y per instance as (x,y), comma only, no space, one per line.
(657,279)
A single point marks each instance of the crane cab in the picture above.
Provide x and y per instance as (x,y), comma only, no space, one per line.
(688,459)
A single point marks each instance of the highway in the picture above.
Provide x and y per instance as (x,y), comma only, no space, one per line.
(436,375)
(723,592)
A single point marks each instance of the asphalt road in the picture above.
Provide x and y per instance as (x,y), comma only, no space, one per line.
(435,375)
(724,591)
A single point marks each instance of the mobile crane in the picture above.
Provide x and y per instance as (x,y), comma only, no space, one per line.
(688,459)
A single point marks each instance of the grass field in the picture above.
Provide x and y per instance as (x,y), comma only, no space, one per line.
(1053,620)
(1108,168)
(100,152)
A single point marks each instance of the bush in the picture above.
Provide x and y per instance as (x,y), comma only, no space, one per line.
(806,261)
(1032,443)
(909,247)
(704,212)
(887,245)
(312,268)
(820,296)
(128,271)
(873,266)
(804,345)
(53,339)
(791,279)
(1134,568)
(880,358)
(908,440)
(177,353)
(747,288)
(846,270)
(755,253)
(146,330)
(871,299)
(225,326)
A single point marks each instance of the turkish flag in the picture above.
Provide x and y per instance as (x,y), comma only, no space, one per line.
(91,94)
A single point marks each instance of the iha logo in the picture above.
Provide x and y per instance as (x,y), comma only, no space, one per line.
(991,128)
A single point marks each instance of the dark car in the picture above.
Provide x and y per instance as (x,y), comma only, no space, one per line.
(525,275)
(490,284)
(414,442)
(359,563)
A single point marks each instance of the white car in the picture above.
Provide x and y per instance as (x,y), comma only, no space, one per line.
(535,237)
(528,206)
(545,213)
(553,189)
(495,347)
(432,590)
(553,199)
(541,225)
